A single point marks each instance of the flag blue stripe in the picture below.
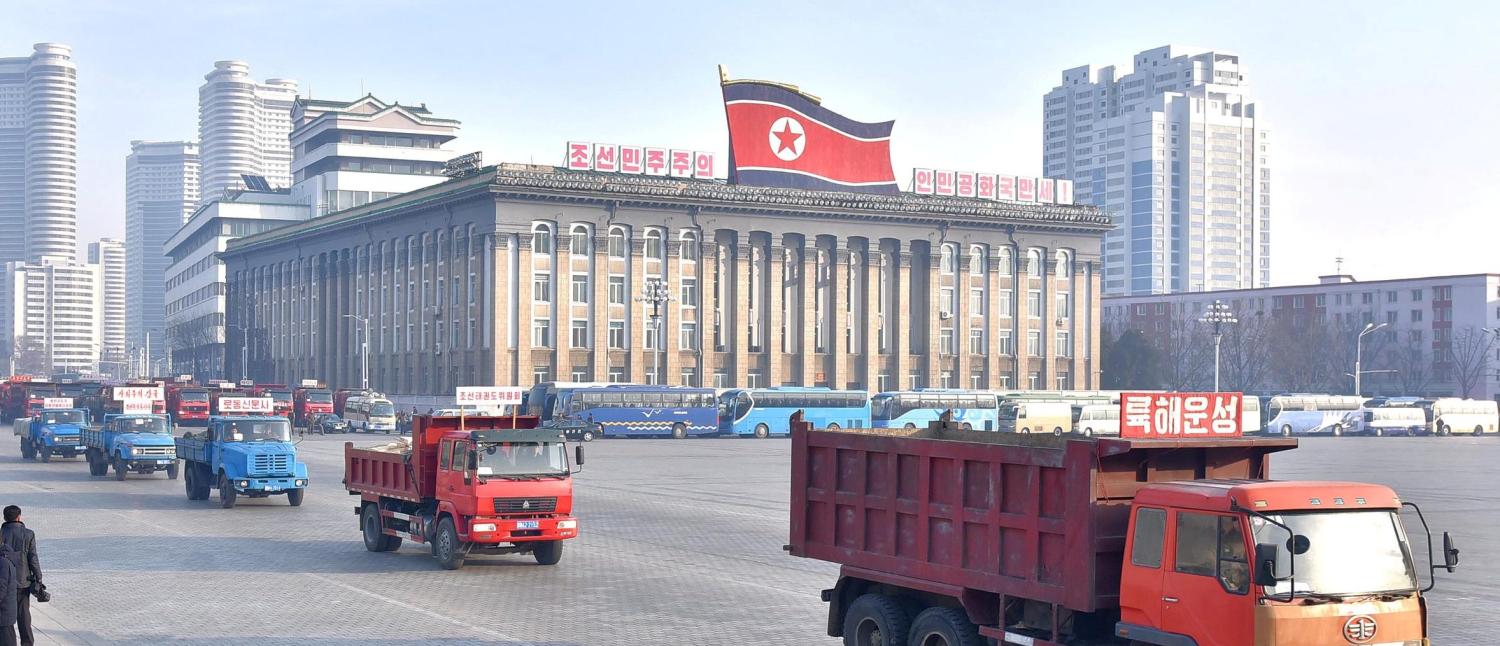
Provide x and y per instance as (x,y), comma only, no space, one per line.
(795,101)
(778,179)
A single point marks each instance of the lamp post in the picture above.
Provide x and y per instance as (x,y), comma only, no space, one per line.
(364,351)
(1358,349)
(656,292)
(1218,315)
(244,351)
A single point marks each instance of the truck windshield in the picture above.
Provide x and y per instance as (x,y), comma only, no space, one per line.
(195,396)
(383,410)
(261,431)
(522,458)
(142,425)
(1349,553)
(320,397)
(63,417)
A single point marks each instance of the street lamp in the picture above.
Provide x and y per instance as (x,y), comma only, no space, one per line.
(1219,315)
(1358,349)
(244,351)
(656,292)
(364,352)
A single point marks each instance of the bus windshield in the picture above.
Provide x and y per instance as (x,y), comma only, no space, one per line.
(383,409)
(258,431)
(501,459)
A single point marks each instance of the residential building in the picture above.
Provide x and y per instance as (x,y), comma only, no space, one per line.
(161,190)
(347,153)
(1176,153)
(521,273)
(39,155)
(48,317)
(243,128)
(194,313)
(1427,336)
(108,254)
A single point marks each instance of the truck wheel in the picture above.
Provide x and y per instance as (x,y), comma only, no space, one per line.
(172,470)
(446,547)
(120,469)
(944,627)
(547,552)
(27,453)
(762,431)
(44,453)
(294,496)
(679,431)
(227,494)
(187,484)
(202,482)
(375,538)
(875,620)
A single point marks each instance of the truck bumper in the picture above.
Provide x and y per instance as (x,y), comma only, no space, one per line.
(491,531)
(261,487)
(65,449)
(149,464)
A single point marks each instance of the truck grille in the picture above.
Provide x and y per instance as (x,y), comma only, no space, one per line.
(271,464)
(525,505)
(65,439)
(168,451)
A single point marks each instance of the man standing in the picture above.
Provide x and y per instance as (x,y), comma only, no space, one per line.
(9,592)
(28,569)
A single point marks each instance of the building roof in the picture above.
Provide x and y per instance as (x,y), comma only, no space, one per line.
(1310,287)
(550,183)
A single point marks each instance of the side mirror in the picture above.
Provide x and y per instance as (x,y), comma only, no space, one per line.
(578,455)
(1299,544)
(1265,565)
(473,461)
(1450,553)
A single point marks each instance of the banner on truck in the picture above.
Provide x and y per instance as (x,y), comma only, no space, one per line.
(488,396)
(245,404)
(1181,415)
(57,402)
(148,393)
(137,406)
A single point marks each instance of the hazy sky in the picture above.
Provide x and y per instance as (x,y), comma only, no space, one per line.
(1377,109)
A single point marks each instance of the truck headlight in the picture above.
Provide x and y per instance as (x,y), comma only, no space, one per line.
(567,524)
(243,484)
(484,527)
(302,483)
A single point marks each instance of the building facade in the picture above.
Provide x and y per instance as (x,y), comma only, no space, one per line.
(161,190)
(243,128)
(48,322)
(195,283)
(39,155)
(525,273)
(348,153)
(108,254)
(1178,156)
(1428,336)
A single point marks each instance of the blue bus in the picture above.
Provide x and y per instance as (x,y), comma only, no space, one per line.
(636,411)
(763,412)
(972,410)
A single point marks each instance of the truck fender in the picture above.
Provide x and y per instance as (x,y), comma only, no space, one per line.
(1148,635)
(445,508)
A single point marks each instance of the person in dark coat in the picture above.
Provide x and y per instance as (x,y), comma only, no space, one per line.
(28,569)
(10,590)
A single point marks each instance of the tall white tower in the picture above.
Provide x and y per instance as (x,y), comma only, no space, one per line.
(161,190)
(243,129)
(39,155)
(1176,153)
(109,255)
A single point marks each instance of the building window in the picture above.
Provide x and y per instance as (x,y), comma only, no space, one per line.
(541,239)
(1006,265)
(1004,344)
(540,374)
(1034,381)
(689,296)
(1034,303)
(1416,316)
(616,290)
(947,263)
(1064,266)
(687,338)
(580,375)
(689,376)
(1416,294)
(581,288)
(541,288)
(753,379)
(650,339)
(1034,263)
(541,333)
(945,379)
(945,340)
(1034,343)
(654,250)
(1064,344)
(976,341)
(616,243)
(616,375)
(1002,303)
(579,334)
(578,241)
(616,335)
(689,250)
(1390,296)
(1064,381)
(945,302)
(1064,304)
(721,379)
(976,260)
(976,301)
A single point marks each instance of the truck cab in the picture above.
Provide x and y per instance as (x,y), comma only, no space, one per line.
(243,456)
(54,432)
(132,443)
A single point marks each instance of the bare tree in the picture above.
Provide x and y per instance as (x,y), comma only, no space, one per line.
(31,356)
(1412,364)
(1187,354)
(1469,354)
(1300,347)
(1243,354)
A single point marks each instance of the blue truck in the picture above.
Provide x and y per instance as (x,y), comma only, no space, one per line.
(250,456)
(133,443)
(52,432)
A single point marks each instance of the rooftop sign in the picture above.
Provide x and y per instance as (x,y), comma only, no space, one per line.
(1181,415)
(639,160)
(987,186)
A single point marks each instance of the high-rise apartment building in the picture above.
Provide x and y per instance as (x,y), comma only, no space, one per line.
(243,129)
(109,255)
(38,155)
(161,190)
(49,320)
(1174,151)
(347,153)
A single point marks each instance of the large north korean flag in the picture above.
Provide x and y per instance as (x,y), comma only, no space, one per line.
(780,137)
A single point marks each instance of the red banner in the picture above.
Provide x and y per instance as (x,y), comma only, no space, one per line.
(1181,415)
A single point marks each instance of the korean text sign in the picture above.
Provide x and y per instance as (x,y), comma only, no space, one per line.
(245,405)
(488,396)
(1181,415)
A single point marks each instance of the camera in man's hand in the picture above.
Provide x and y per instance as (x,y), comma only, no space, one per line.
(40,592)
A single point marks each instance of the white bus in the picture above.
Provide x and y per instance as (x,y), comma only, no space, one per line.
(1383,420)
(370,414)
(1099,420)
(1036,417)
(1454,416)
(1306,414)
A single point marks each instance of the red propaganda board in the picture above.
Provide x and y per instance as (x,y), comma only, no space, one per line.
(1181,415)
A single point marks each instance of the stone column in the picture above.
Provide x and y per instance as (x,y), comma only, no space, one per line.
(840,294)
(1049,325)
(873,357)
(501,300)
(995,318)
(934,323)
(524,315)
(739,317)
(708,305)
(636,326)
(772,341)
(599,307)
(562,304)
(1021,294)
(672,314)
(1093,323)
(962,318)
(903,311)
(808,310)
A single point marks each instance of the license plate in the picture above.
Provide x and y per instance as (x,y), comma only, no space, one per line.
(270,487)
(527,524)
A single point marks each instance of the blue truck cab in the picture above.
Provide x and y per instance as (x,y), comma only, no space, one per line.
(251,456)
(53,432)
(139,443)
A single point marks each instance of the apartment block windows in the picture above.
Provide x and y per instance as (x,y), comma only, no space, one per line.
(579,334)
(541,288)
(689,295)
(1063,305)
(1064,344)
(581,289)
(688,336)
(617,244)
(617,335)
(541,239)
(976,341)
(616,290)
(1004,344)
(541,333)
(1034,343)
(1034,303)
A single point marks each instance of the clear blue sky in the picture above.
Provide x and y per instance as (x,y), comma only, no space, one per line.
(1382,113)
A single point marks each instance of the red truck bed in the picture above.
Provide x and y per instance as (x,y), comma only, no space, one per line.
(1035,517)
(413,476)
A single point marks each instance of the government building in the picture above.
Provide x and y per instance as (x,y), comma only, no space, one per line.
(522,273)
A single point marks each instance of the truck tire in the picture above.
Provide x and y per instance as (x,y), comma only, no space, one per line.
(294,496)
(762,431)
(44,454)
(875,620)
(227,494)
(187,485)
(97,465)
(27,453)
(172,470)
(944,627)
(202,483)
(679,431)
(547,552)
(120,469)
(446,547)
(371,526)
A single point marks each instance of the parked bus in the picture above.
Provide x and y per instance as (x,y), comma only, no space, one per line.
(370,413)
(636,411)
(972,409)
(541,399)
(1383,420)
(1099,420)
(764,412)
(1454,416)
(1250,419)
(1035,416)
(1308,414)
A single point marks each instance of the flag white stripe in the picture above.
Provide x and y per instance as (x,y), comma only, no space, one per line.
(819,177)
(804,116)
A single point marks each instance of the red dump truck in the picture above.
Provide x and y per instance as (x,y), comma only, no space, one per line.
(473,485)
(948,537)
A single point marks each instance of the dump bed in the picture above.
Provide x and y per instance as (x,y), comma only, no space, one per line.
(411,473)
(192,448)
(1035,517)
